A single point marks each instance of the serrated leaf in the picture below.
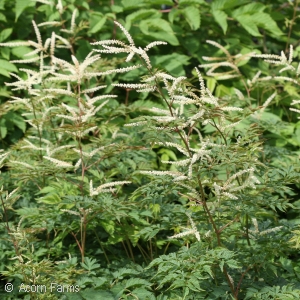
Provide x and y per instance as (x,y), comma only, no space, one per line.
(247,23)
(250,8)
(191,2)
(108,225)
(19,122)
(265,21)
(136,281)
(192,16)
(141,14)
(159,29)
(221,18)
(90,264)
(50,199)
(128,4)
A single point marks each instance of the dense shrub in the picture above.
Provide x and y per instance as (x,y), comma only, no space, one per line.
(149,150)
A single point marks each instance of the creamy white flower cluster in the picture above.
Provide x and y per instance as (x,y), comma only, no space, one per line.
(231,186)
(280,60)
(180,94)
(193,231)
(131,49)
(254,234)
(230,61)
(295,102)
(106,187)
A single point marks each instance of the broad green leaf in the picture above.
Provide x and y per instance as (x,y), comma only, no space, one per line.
(160,30)
(5,52)
(192,16)
(225,4)
(189,2)
(247,22)
(50,199)
(211,84)
(141,14)
(173,63)
(251,8)
(108,225)
(8,66)
(218,4)
(154,2)
(221,18)
(269,117)
(130,4)
(5,34)
(4,92)
(116,8)
(20,51)
(2,17)
(246,60)
(137,281)
(222,90)
(3,129)
(4,73)
(265,21)
(291,89)
(98,25)
(19,122)
(21,5)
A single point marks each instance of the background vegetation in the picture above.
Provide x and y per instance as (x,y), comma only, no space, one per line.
(239,201)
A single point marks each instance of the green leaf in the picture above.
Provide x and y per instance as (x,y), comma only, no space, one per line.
(192,16)
(18,121)
(2,17)
(189,2)
(265,21)
(141,14)
(7,67)
(251,8)
(4,73)
(5,34)
(21,5)
(247,22)
(90,264)
(108,225)
(20,51)
(95,28)
(5,52)
(211,84)
(221,18)
(131,4)
(225,4)
(159,29)
(173,63)
(3,129)
(137,282)
(50,199)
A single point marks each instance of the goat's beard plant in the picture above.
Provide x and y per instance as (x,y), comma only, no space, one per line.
(219,176)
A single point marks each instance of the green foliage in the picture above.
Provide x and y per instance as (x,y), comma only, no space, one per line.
(136,176)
